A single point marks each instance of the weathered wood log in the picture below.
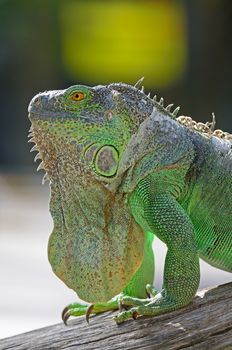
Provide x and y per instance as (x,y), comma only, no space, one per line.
(205,324)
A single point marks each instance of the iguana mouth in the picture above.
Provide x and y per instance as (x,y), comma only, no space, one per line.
(36,114)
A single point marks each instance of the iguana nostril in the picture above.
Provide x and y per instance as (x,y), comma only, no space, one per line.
(36,99)
(39,100)
(35,102)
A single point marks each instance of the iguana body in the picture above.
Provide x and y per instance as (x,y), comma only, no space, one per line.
(121,170)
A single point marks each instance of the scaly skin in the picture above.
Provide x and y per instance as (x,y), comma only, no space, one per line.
(121,169)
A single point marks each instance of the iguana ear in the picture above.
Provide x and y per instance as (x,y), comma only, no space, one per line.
(106,161)
(103,161)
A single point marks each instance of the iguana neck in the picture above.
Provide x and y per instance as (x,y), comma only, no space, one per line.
(76,192)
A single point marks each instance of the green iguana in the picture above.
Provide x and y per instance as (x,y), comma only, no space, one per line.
(122,168)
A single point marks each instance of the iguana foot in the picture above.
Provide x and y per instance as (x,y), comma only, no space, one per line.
(77,309)
(128,301)
(154,306)
(119,302)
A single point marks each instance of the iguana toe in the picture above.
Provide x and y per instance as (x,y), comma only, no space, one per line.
(74,309)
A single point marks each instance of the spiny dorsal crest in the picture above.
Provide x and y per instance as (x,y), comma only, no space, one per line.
(158,104)
(207,129)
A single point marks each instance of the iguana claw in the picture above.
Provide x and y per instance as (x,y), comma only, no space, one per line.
(135,315)
(65,315)
(88,312)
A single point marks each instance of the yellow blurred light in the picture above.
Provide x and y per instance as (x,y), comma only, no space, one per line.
(122,41)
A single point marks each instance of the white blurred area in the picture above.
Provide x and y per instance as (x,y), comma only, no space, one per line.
(31,296)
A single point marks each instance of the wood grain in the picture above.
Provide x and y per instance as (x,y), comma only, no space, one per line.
(205,324)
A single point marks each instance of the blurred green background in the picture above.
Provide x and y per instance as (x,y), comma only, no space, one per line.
(183,48)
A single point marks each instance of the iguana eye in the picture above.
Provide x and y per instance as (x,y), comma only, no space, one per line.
(77,96)
(106,161)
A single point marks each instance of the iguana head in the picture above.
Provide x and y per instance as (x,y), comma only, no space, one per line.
(94,124)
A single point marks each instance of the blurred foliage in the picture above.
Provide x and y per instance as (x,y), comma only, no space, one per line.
(124,40)
(183,48)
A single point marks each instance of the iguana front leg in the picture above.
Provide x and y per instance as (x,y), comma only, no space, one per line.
(172,225)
